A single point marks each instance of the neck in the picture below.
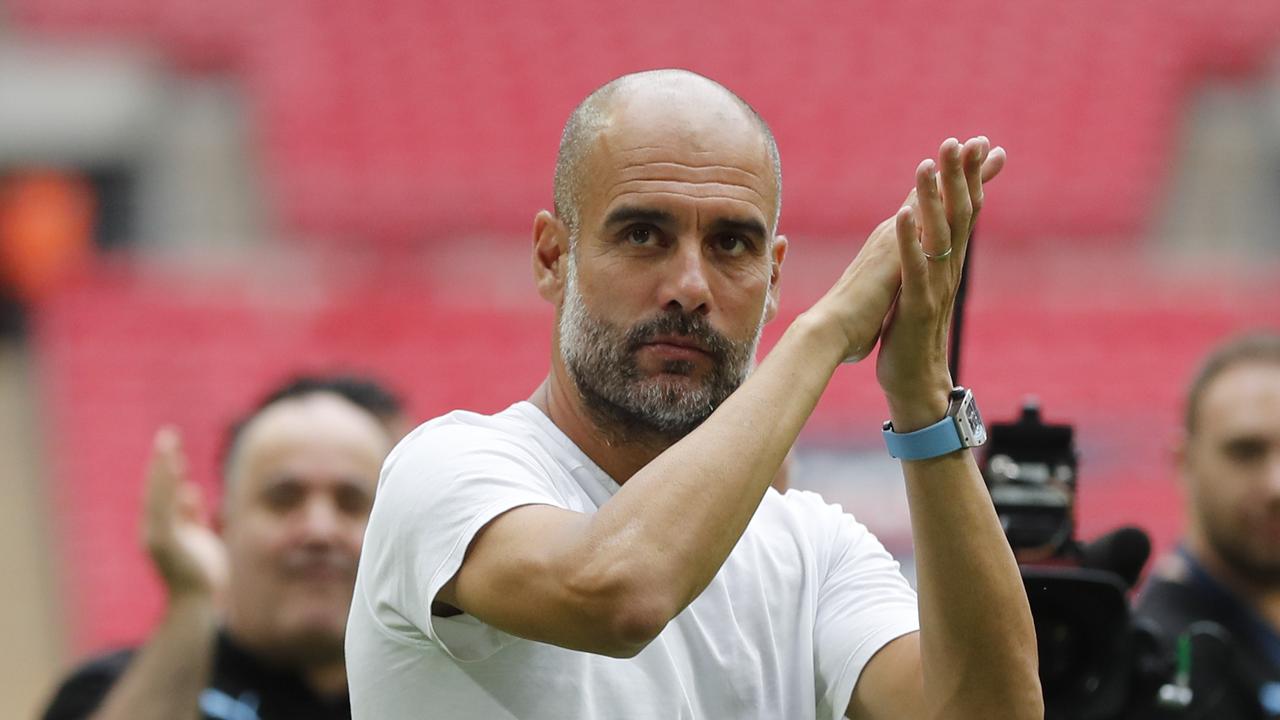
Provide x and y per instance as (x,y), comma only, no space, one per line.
(1269,609)
(326,675)
(327,680)
(1264,598)
(620,457)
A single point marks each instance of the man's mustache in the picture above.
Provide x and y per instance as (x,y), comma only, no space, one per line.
(308,562)
(677,322)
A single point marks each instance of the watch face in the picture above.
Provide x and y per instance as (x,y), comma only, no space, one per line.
(974,418)
(968,420)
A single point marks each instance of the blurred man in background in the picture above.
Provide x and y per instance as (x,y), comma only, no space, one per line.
(1227,569)
(611,548)
(256,609)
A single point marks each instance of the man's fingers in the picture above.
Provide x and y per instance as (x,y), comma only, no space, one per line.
(190,505)
(160,471)
(955,188)
(973,154)
(993,164)
(931,217)
(953,183)
(909,249)
(164,476)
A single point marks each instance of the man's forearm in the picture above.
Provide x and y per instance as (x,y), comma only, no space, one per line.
(684,511)
(165,678)
(977,639)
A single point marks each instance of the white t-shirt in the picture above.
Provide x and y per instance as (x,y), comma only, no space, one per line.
(805,599)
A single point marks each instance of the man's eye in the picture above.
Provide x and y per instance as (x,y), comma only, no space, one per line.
(354,501)
(640,235)
(1246,451)
(283,496)
(733,244)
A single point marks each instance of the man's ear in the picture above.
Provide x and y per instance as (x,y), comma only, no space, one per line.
(1179,454)
(550,256)
(777,253)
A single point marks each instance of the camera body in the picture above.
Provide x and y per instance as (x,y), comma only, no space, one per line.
(1097,660)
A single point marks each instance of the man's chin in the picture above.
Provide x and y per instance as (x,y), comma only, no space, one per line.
(673,386)
(320,615)
(1258,565)
(312,641)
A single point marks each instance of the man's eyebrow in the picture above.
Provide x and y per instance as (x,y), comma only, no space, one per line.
(629,214)
(354,482)
(1246,438)
(744,226)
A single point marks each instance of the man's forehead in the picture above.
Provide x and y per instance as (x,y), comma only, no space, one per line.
(699,118)
(1244,398)
(694,150)
(320,427)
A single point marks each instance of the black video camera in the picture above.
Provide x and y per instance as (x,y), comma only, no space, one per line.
(1097,661)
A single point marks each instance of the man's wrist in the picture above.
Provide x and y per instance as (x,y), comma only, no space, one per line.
(918,411)
(823,339)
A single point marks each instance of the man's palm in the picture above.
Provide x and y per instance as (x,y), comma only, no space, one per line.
(188,554)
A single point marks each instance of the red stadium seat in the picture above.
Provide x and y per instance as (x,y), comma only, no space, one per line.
(126,351)
(394,122)
(418,130)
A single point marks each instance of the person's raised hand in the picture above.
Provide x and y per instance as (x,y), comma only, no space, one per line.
(860,301)
(189,556)
(932,237)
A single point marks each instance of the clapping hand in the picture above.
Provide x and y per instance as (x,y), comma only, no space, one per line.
(188,554)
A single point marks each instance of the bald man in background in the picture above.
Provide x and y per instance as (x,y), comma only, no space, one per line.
(255,607)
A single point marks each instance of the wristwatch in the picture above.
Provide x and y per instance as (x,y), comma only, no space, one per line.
(961,428)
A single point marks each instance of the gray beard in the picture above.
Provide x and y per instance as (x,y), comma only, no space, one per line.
(624,404)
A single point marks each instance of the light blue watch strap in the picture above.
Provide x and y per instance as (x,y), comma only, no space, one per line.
(939,438)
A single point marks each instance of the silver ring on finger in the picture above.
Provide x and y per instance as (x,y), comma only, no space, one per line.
(940,256)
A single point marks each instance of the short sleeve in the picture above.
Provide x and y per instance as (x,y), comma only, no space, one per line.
(84,690)
(438,489)
(863,603)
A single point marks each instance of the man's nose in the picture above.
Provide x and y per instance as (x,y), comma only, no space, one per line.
(686,286)
(320,522)
(1272,474)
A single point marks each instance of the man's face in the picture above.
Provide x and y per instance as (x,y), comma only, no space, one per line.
(1231,465)
(301,486)
(674,270)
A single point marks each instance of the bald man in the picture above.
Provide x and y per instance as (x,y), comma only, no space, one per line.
(611,548)
(256,605)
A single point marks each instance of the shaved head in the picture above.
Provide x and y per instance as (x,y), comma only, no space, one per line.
(1260,348)
(598,111)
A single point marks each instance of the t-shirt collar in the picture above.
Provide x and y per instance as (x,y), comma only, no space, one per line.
(594,481)
(1268,640)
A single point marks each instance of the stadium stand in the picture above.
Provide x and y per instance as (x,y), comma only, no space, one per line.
(400,122)
(129,349)
(408,127)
